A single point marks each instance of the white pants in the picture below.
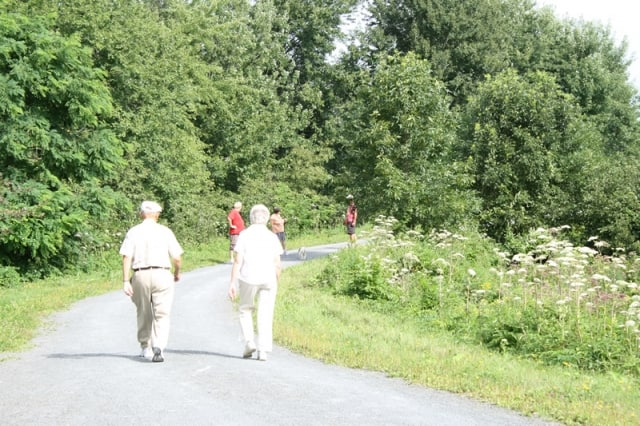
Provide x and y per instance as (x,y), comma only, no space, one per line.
(263,298)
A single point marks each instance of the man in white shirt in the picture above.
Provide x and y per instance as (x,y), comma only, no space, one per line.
(254,277)
(150,249)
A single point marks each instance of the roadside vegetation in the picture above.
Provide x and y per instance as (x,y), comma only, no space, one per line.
(514,134)
(440,114)
(549,332)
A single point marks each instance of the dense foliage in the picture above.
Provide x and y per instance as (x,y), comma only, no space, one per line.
(553,302)
(491,114)
(58,152)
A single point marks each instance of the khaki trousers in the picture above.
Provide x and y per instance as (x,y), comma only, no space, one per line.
(153,291)
(264,295)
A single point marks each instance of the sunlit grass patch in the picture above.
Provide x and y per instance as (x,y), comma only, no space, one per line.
(23,309)
(353,333)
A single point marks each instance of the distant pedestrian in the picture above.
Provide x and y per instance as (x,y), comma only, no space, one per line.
(254,277)
(277,227)
(350,219)
(151,249)
(236,225)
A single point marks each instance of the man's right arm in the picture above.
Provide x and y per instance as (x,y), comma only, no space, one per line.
(126,270)
(177,264)
(278,267)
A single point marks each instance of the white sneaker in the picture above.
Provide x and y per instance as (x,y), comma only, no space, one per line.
(262,356)
(249,349)
(147,353)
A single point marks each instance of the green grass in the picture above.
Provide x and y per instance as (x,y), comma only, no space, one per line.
(23,309)
(347,332)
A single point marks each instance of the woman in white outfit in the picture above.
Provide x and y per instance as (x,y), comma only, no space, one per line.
(254,277)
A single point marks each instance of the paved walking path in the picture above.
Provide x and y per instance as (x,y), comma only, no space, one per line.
(84,369)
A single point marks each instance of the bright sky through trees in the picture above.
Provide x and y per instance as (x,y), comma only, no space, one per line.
(615,13)
(618,14)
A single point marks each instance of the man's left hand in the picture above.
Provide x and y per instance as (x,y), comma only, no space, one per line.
(126,287)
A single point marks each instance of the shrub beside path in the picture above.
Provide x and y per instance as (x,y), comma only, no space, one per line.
(84,369)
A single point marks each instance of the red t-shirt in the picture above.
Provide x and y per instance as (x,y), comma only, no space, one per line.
(352,212)
(236,219)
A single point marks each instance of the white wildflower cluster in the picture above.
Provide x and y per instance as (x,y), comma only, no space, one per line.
(557,273)
(401,269)
(632,318)
(415,235)
(580,283)
(394,252)
(444,238)
(382,232)
(382,235)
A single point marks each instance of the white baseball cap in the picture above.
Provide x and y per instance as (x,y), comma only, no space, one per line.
(150,207)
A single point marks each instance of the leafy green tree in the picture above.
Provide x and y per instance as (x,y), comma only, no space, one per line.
(463,40)
(610,203)
(530,147)
(57,152)
(157,84)
(395,148)
(466,40)
(588,64)
(198,89)
(311,27)
(252,126)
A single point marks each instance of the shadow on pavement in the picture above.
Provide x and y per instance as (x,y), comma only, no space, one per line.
(197,352)
(138,357)
(97,355)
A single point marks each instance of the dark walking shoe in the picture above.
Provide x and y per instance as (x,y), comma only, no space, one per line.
(157,355)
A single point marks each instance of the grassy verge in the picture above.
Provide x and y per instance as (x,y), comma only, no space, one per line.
(24,308)
(346,332)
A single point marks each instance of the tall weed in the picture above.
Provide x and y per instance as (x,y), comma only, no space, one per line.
(555,303)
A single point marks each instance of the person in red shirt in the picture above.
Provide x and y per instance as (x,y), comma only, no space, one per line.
(350,218)
(236,225)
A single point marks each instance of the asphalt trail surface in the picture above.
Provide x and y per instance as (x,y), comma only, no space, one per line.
(84,369)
